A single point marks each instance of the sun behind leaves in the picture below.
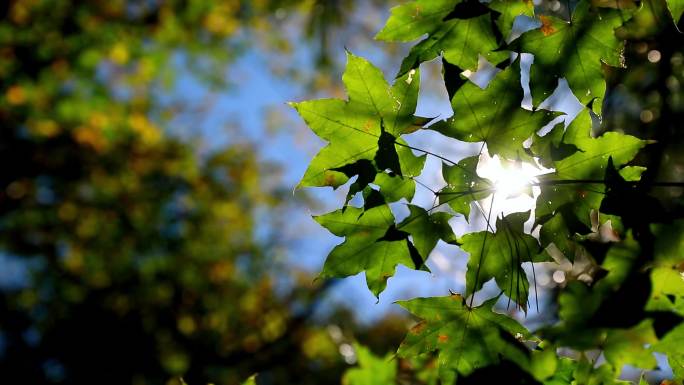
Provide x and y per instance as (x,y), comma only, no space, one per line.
(602,249)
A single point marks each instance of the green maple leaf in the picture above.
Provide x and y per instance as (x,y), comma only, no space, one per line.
(676,8)
(364,131)
(394,187)
(574,50)
(544,363)
(460,31)
(579,304)
(667,274)
(372,370)
(509,10)
(466,338)
(556,231)
(412,20)
(493,115)
(376,245)
(426,229)
(564,372)
(500,255)
(587,373)
(551,147)
(626,346)
(588,163)
(463,185)
(667,293)
(671,345)
(366,247)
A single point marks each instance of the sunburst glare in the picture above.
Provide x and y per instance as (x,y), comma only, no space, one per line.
(513,183)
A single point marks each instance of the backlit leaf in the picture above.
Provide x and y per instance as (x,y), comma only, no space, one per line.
(372,370)
(493,115)
(463,185)
(426,229)
(509,10)
(367,246)
(459,30)
(568,184)
(500,256)
(671,345)
(574,50)
(466,338)
(628,346)
(365,128)
(676,8)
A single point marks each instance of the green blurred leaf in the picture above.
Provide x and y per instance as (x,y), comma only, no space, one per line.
(371,370)
(676,8)
(544,363)
(667,274)
(671,345)
(466,338)
(629,346)
(563,375)
(251,380)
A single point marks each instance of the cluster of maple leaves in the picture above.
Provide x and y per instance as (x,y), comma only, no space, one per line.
(364,135)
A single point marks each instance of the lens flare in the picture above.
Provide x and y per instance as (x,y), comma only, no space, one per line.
(513,183)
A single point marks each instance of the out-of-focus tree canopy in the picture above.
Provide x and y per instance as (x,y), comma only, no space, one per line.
(146,259)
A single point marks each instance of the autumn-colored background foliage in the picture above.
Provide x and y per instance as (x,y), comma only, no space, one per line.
(133,252)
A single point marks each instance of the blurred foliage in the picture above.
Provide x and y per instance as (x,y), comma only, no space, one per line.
(372,370)
(146,259)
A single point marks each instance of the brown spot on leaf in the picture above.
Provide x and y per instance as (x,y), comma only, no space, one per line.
(547,25)
(405,365)
(680,266)
(417,328)
(443,338)
(329,179)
